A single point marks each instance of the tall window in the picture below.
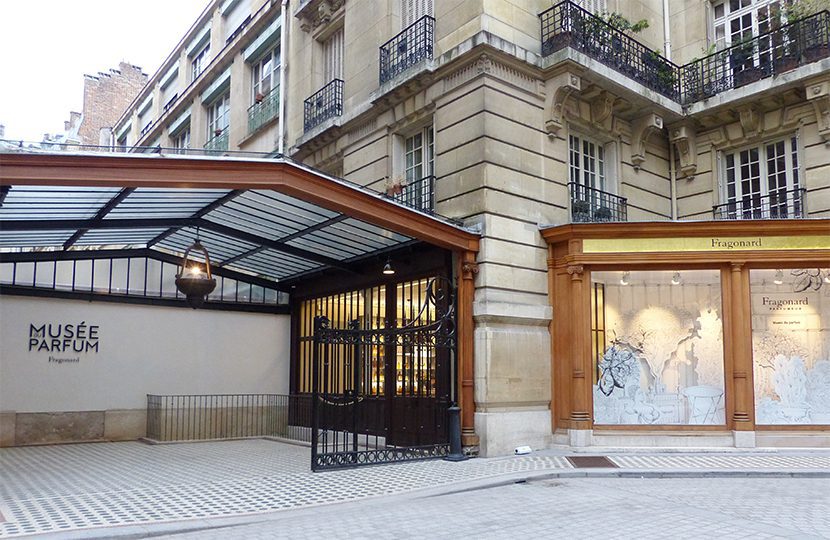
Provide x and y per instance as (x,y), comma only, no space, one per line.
(333,56)
(587,162)
(412,10)
(267,73)
(199,61)
(181,142)
(735,20)
(762,181)
(420,155)
(218,115)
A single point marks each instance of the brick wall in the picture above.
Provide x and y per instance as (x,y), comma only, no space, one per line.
(106,97)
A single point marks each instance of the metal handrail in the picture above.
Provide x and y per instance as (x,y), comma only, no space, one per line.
(779,204)
(418,194)
(413,44)
(324,104)
(567,24)
(591,205)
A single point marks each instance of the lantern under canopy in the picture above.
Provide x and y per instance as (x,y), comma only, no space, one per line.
(191,281)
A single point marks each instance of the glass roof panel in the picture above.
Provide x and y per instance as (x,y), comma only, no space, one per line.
(52,202)
(118,236)
(170,203)
(220,247)
(34,238)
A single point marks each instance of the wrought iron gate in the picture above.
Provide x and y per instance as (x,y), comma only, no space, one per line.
(381,395)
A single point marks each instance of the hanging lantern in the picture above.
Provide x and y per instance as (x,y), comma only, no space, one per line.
(192,281)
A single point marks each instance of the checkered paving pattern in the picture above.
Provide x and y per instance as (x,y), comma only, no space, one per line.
(72,487)
(686,462)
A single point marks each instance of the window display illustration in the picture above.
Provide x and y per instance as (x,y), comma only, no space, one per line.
(791,345)
(658,343)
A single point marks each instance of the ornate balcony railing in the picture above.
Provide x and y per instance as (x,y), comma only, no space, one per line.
(417,194)
(767,54)
(568,25)
(779,204)
(265,109)
(591,205)
(326,103)
(413,44)
(219,143)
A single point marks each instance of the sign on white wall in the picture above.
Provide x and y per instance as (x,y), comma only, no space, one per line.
(66,355)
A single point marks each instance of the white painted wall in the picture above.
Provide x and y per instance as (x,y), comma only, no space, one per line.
(142,349)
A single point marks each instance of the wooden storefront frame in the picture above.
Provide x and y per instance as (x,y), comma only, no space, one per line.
(569,268)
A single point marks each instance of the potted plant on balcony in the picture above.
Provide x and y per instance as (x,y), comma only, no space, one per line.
(259,97)
(744,68)
(811,27)
(580,211)
(217,132)
(603,213)
(395,186)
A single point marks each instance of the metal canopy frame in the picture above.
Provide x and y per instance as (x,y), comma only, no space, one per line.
(270,220)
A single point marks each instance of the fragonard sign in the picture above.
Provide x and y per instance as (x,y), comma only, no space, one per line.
(64,338)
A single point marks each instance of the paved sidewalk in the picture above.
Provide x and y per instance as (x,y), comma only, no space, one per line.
(87,487)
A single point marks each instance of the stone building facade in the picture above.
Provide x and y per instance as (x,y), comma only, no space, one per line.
(523,115)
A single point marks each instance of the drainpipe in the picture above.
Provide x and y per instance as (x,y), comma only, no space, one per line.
(666,32)
(673,182)
(283,68)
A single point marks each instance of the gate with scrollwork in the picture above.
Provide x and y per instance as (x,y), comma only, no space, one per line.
(381,395)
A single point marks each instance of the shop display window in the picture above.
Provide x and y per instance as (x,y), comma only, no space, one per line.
(791,345)
(658,347)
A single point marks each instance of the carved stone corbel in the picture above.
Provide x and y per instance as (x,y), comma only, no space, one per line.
(559,88)
(719,137)
(684,138)
(819,95)
(752,120)
(601,108)
(641,129)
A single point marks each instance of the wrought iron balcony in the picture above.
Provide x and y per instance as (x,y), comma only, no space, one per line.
(779,204)
(417,194)
(219,143)
(326,103)
(568,25)
(767,54)
(591,205)
(413,44)
(265,109)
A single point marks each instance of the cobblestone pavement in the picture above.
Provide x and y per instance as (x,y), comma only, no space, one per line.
(575,508)
(104,489)
(583,508)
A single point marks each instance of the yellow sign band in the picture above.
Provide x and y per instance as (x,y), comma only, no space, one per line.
(712,243)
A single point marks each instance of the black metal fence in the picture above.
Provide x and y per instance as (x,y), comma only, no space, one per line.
(418,194)
(593,205)
(326,103)
(413,44)
(779,204)
(568,25)
(769,53)
(228,416)
(765,55)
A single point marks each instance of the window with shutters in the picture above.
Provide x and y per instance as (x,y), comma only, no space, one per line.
(333,56)
(597,7)
(412,10)
(762,181)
